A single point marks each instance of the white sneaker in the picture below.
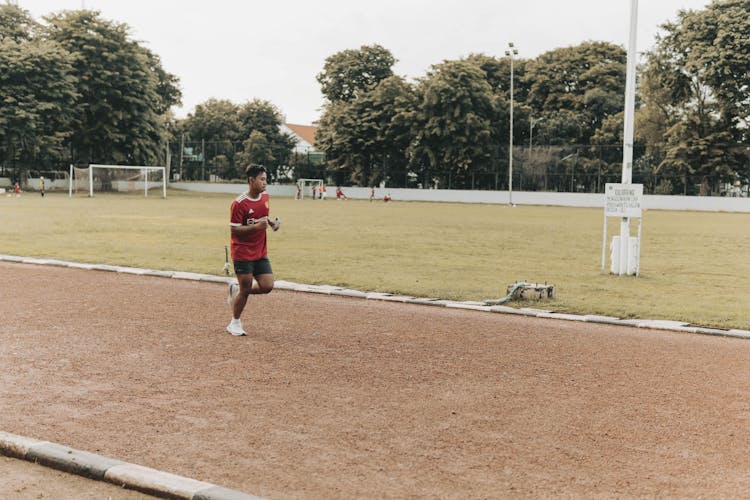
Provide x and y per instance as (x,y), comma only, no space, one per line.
(235,328)
(234,289)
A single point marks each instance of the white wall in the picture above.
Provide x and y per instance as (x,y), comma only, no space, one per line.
(651,202)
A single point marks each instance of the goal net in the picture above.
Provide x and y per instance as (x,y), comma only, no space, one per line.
(306,187)
(116,179)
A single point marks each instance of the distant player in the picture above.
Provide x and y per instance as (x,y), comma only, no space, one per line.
(41,185)
(16,189)
(314,191)
(372,194)
(340,194)
(249,220)
(387,198)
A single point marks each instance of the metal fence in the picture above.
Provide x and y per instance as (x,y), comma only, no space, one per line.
(573,168)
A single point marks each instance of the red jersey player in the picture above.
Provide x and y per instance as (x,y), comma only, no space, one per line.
(248,221)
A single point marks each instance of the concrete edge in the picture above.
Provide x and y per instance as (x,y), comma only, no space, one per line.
(15,446)
(70,460)
(667,325)
(219,493)
(126,475)
(153,482)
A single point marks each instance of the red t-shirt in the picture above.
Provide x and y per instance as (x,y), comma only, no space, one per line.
(244,212)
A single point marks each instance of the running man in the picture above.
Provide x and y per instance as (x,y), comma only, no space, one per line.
(249,221)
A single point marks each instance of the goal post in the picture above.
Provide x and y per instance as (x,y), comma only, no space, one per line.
(116,179)
(303,183)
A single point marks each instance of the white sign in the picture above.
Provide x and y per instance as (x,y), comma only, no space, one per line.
(623,200)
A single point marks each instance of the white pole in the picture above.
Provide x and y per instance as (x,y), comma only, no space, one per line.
(604,242)
(145,189)
(510,150)
(164,183)
(638,257)
(91,181)
(70,182)
(531,134)
(627,151)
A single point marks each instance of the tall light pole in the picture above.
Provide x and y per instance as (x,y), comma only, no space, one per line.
(629,118)
(511,52)
(532,124)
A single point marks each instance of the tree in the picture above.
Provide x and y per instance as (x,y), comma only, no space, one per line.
(237,135)
(587,81)
(712,46)
(457,119)
(351,72)
(698,146)
(662,87)
(38,96)
(695,93)
(214,127)
(214,120)
(123,90)
(16,24)
(37,91)
(257,149)
(337,138)
(497,73)
(365,138)
(263,117)
(363,130)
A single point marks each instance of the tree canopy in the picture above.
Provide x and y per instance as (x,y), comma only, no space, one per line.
(351,72)
(37,90)
(79,89)
(457,117)
(694,90)
(238,135)
(122,90)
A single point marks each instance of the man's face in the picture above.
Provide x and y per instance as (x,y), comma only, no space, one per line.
(259,182)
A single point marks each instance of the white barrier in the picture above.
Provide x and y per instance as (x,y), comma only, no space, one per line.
(592,200)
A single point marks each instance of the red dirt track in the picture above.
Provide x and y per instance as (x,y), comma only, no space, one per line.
(334,397)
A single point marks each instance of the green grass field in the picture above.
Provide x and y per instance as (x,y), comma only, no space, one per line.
(694,265)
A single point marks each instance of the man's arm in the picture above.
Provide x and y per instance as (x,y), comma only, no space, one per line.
(245,231)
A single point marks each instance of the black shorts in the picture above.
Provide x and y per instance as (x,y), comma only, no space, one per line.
(254,267)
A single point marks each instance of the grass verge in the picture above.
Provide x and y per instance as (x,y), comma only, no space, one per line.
(694,265)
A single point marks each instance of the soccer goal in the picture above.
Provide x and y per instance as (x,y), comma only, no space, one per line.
(312,183)
(116,179)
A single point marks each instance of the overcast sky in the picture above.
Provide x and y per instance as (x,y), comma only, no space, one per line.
(241,50)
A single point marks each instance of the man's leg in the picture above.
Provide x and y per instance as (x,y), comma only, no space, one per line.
(263,283)
(246,283)
(249,285)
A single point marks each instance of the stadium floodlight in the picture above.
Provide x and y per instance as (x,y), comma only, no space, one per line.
(511,52)
(116,179)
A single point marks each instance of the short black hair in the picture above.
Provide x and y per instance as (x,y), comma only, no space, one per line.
(253,170)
